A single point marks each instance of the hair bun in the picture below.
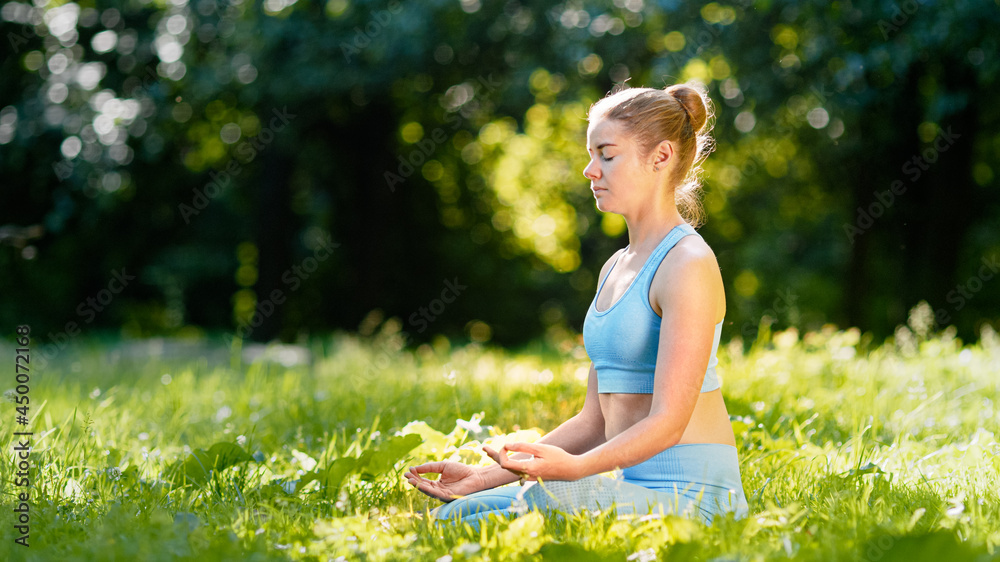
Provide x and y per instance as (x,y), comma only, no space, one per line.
(693,102)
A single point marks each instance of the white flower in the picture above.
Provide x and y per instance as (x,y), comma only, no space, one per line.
(647,555)
(471,425)
(223,413)
(468,548)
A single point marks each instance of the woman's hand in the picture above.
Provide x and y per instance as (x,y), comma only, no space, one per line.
(456,479)
(550,462)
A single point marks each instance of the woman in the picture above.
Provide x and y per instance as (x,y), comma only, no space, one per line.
(654,412)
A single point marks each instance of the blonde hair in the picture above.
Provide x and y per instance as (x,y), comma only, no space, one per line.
(682,114)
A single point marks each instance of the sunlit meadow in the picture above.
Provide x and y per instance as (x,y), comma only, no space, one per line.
(194,450)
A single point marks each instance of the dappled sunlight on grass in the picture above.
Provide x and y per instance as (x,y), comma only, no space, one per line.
(848,450)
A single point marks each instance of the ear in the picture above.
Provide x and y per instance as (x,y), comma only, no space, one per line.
(662,154)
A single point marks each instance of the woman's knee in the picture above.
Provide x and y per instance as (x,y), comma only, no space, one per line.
(495,499)
(474,518)
(590,493)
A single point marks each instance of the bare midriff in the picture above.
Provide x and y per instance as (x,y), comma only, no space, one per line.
(709,422)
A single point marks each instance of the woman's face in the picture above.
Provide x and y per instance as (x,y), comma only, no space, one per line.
(619,181)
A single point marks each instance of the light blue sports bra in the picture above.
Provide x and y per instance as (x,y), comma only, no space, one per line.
(622,341)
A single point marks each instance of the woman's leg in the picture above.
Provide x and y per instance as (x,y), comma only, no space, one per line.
(706,473)
(598,492)
(591,493)
(476,507)
(694,480)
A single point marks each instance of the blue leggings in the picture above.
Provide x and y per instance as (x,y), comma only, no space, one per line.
(695,479)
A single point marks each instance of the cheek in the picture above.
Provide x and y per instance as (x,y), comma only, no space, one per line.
(616,168)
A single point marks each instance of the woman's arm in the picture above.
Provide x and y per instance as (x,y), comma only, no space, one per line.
(577,435)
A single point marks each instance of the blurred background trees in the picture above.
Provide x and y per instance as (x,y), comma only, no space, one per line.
(329,165)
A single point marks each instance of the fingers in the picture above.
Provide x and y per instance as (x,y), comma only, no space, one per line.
(414,472)
(522,447)
(428,467)
(428,491)
(506,462)
(500,458)
(418,481)
(514,464)
(493,455)
(421,485)
(500,455)
(429,488)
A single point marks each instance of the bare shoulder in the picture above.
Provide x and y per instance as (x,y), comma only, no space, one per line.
(690,270)
(691,251)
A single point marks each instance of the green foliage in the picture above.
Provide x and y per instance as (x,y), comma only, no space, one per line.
(370,465)
(848,450)
(380,460)
(201,464)
(158,120)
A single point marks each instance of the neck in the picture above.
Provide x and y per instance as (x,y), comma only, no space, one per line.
(647,227)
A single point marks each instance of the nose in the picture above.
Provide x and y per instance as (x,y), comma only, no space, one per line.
(591,171)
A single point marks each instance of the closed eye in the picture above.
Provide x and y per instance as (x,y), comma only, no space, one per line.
(607,159)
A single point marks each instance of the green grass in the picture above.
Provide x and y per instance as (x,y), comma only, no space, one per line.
(849,450)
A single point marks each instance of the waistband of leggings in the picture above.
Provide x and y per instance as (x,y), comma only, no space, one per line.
(712,465)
